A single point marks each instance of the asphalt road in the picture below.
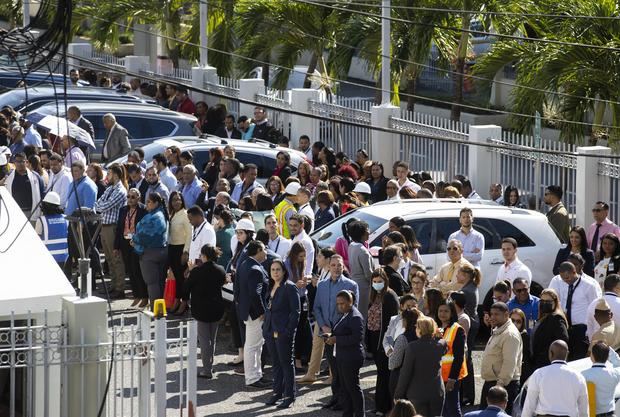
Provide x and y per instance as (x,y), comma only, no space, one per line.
(227,395)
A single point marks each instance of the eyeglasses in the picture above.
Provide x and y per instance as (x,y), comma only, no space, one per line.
(453,248)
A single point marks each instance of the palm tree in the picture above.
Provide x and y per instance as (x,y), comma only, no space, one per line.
(11,11)
(105,30)
(572,83)
(280,29)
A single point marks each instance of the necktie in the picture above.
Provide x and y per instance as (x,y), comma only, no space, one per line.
(594,245)
(569,302)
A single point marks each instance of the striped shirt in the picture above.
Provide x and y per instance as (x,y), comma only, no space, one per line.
(110,203)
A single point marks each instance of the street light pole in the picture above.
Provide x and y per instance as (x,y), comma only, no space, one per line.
(26,12)
(204,24)
(385,52)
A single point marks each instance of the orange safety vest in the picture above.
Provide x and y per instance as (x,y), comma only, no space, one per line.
(448,358)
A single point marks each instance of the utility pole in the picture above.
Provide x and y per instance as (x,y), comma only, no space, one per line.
(26,12)
(386,51)
(204,25)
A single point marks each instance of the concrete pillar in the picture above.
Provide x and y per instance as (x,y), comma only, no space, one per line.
(201,76)
(301,125)
(248,89)
(86,325)
(482,171)
(145,42)
(383,145)
(135,64)
(590,187)
(79,49)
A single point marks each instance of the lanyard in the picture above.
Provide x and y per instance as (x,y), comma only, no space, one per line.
(197,233)
(277,245)
(339,321)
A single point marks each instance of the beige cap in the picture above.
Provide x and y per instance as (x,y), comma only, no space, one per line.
(602,305)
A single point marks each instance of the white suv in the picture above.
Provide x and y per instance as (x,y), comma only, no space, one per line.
(434,220)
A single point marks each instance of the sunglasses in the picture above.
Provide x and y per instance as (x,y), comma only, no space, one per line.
(453,248)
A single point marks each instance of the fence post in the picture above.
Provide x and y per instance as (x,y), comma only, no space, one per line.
(160,368)
(136,64)
(192,368)
(248,89)
(301,125)
(482,171)
(383,145)
(84,50)
(590,187)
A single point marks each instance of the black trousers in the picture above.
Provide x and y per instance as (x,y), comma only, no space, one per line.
(468,385)
(383,399)
(351,395)
(132,267)
(303,335)
(281,352)
(237,328)
(430,406)
(329,352)
(513,391)
(577,342)
(178,268)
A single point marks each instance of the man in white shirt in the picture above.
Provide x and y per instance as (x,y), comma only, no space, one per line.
(202,233)
(512,267)
(576,293)
(556,389)
(605,379)
(496,193)
(611,286)
(60,178)
(402,170)
(472,240)
(31,136)
(303,200)
(304,146)
(277,243)
(165,175)
(296,227)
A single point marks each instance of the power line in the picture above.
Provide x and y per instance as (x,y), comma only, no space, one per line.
(512,147)
(471,31)
(428,99)
(447,71)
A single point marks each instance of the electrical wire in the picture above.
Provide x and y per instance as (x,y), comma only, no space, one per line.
(96,64)
(378,89)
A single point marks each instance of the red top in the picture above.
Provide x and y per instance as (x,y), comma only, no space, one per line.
(187,106)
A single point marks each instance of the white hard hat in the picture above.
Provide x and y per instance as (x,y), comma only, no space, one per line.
(362,187)
(292,188)
(52,198)
(3,160)
(245,224)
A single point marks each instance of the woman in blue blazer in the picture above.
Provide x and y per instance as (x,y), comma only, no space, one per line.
(281,319)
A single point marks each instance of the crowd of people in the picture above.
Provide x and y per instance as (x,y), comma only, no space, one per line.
(242,253)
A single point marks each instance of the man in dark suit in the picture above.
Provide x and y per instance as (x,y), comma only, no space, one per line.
(137,180)
(347,338)
(75,116)
(228,131)
(250,295)
(497,399)
(557,214)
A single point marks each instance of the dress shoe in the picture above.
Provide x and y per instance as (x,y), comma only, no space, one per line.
(273,399)
(135,302)
(235,362)
(330,404)
(286,403)
(259,384)
(205,375)
(143,303)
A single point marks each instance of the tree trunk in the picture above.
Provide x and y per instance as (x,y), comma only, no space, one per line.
(459,68)
(411,90)
(311,67)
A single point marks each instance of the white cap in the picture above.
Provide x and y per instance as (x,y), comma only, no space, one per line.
(292,188)
(3,160)
(52,198)
(245,224)
(362,187)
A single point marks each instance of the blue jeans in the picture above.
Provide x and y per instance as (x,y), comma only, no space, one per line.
(452,402)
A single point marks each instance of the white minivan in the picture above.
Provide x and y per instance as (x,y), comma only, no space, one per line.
(433,220)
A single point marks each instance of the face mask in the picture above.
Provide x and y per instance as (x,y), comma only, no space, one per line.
(546,306)
(378,286)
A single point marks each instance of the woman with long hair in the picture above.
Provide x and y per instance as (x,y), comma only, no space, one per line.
(432,300)
(469,277)
(577,243)
(95,173)
(608,256)
(201,114)
(224,231)
(203,290)
(453,367)
(325,211)
(342,243)
(303,173)
(382,306)
(151,243)
(378,182)
(179,235)
(283,166)
(512,198)
(279,329)
(327,156)
(518,319)
(173,155)
(211,171)
(413,245)
(418,281)
(551,326)
(295,266)
(275,189)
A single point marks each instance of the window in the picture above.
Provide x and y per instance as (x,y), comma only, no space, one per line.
(201,158)
(264,169)
(423,229)
(327,235)
(135,127)
(491,238)
(505,229)
(445,227)
(157,128)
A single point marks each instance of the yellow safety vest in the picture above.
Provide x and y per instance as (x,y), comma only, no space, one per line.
(280,211)
(448,358)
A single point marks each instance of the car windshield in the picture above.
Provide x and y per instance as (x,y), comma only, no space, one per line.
(12,98)
(327,235)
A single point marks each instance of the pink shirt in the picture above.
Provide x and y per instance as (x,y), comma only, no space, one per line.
(606,227)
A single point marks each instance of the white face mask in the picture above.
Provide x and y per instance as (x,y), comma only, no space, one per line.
(378,286)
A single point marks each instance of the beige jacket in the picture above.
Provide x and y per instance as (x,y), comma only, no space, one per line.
(609,333)
(445,280)
(502,356)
